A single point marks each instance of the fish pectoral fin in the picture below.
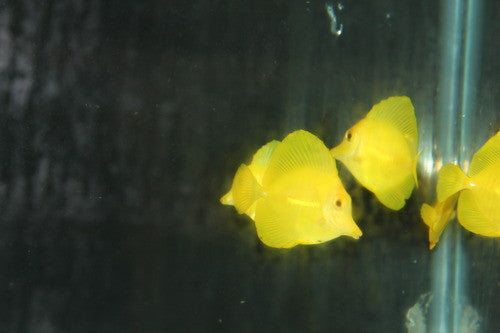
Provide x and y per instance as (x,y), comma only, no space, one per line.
(275,227)
(246,191)
(395,197)
(451,179)
(428,214)
(473,219)
(298,151)
(399,112)
(488,155)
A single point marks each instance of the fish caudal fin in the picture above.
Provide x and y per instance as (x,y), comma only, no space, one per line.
(227,199)
(399,112)
(274,224)
(395,198)
(488,155)
(451,179)
(472,219)
(428,214)
(245,189)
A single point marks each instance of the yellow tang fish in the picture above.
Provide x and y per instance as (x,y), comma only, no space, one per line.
(478,208)
(381,151)
(258,166)
(299,199)
(437,216)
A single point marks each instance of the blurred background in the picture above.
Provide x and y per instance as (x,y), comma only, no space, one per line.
(123,122)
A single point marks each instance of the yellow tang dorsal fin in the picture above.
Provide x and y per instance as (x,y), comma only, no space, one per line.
(261,158)
(399,112)
(299,150)
(488,155)
(245,189)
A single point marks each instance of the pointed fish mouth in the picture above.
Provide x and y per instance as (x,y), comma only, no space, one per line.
(341,151)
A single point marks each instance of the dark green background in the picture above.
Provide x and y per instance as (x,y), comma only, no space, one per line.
(123,122)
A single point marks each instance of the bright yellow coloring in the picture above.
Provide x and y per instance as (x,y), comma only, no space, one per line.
(478,208)
(381,151)
(299,199)
(437,217)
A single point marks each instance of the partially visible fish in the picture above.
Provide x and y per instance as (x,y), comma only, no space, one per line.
(299,199)
(437,217)
(381,151)
(478,208)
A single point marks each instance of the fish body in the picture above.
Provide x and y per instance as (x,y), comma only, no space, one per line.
(300,198)
(478,207)
(437,217)
(381,151)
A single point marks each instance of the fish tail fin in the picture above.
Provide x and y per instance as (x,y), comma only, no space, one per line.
(414,168)
(451,179)
(246,190)
(428,214)
(227,199)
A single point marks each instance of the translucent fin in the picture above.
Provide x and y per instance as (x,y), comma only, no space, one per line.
(299,150)
(245,189)
(399,112)
(414,168)
(395,198)
(451,179)
(275,225)
(261,158)
(437,217)
(227,199)
(472,219)
(488,155)
(428,214)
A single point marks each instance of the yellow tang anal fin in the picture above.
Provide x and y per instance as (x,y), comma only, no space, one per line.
(451,179)
(399,112)
(261,158)
(227,199)
(394,198)
(299,150)
(275,224)
(488,155)
(472,219)
(245,189)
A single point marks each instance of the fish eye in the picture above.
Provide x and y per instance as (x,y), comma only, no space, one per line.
(348,135)
(338,203)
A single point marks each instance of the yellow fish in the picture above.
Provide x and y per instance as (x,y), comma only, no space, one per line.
(478,208)
(436,217)
(297,198)
(381,151)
